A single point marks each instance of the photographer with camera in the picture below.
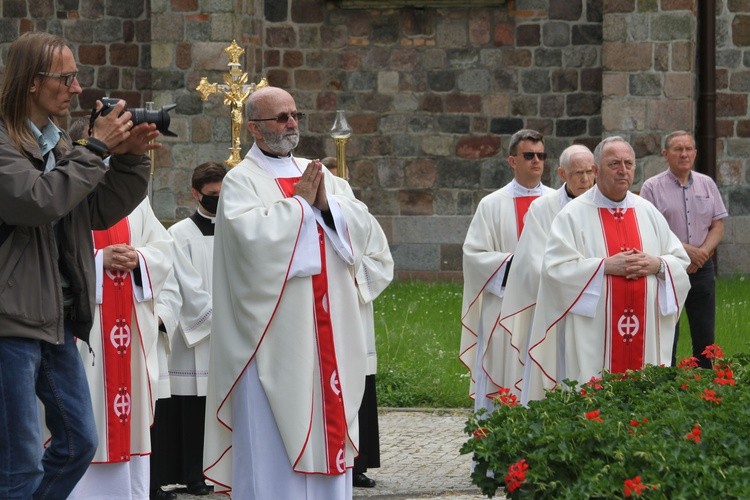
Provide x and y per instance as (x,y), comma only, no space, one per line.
(52,194)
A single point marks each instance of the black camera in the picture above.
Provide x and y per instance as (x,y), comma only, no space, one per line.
(159,117)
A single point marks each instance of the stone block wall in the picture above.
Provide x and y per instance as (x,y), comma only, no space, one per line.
(111,41)
(433,94)
(733,131)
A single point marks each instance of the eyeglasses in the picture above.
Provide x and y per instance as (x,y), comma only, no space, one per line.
(529,155)
(281,118)
(67,78)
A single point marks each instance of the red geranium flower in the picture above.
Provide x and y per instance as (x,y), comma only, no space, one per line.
(724,374)
(695,434)
(634,486)
(481,433)
(504,397)
(516,475)
(594,415)
(713,352)
(594,383)
(685,363)
(711,396)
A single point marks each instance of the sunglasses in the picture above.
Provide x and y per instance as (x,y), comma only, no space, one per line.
(529,155)
(282,118)
(67,78)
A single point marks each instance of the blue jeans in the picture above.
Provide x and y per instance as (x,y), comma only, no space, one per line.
(700,307)
(53,373)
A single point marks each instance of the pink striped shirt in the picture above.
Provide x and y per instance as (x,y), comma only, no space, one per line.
(689,209)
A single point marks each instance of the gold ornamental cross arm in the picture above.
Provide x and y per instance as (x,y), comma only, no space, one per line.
(235,90)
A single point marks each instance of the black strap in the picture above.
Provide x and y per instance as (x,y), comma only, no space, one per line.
(5,231)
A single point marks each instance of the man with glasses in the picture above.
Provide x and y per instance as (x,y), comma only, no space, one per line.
(488,251)
(576,170)
(288,354)
(693,207)
(613,279)
(52,194)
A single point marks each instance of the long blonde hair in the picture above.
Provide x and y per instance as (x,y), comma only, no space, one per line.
(30,54)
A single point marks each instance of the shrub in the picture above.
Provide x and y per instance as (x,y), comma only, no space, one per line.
(661,432)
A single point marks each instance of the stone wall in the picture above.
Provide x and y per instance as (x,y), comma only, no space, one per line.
(433,94)
(733,130)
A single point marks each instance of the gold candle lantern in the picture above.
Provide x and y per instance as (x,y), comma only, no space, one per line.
(340,132)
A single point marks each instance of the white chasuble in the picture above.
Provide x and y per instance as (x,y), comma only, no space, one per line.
(125,326)
(488,249)
(305,341)
(609,324)
(517,310)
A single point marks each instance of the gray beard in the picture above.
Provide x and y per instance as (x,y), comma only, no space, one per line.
(280,143)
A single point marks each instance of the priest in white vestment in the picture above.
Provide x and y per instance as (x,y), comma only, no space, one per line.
(488,250)
(133,261)
(576,170)
(614,273)
(288,356)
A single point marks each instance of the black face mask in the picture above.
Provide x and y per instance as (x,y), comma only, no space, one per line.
(210,203)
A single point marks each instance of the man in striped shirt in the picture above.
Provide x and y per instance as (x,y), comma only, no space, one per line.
(692,205)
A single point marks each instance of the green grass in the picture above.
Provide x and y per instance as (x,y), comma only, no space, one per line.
(732,318)
(417,337)
(418,332)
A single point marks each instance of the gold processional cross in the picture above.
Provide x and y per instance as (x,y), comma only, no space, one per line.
(236,90)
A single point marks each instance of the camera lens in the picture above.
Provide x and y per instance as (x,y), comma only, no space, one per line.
(159,117)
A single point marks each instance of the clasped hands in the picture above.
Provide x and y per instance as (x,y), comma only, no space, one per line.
(632,264)
(311,186)
(120,257)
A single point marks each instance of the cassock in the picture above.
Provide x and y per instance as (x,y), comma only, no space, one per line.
(121,360)
(288,352)
(488,250)
(517,310)
(610,323)
(177,437)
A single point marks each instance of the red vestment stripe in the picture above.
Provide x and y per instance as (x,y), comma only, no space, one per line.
(627,308)
(522,206)
(334,418)
(116,315)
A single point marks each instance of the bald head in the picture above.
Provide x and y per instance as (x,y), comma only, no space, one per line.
(577,168)
(261,99)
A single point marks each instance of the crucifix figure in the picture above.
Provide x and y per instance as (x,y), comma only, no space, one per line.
(236,91)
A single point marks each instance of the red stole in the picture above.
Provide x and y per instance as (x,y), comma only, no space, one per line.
(116,314)
(522,204)
(627,313)
(334,419)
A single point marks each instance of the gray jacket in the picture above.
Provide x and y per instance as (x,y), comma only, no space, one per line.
(81,194)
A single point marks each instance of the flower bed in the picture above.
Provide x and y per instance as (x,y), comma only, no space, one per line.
(661,432)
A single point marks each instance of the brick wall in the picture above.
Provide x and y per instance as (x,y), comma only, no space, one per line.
(432,94)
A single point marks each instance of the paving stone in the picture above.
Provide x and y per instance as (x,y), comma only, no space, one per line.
(419,458)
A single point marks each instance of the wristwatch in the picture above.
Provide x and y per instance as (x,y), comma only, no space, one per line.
(662,268)
(94,145)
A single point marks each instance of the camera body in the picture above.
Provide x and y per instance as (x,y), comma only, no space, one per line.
(159,117)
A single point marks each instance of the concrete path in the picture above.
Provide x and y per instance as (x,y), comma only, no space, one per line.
(419,458)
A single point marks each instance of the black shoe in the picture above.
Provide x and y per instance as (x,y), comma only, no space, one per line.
(160,494)
(199,488)
(361,481)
